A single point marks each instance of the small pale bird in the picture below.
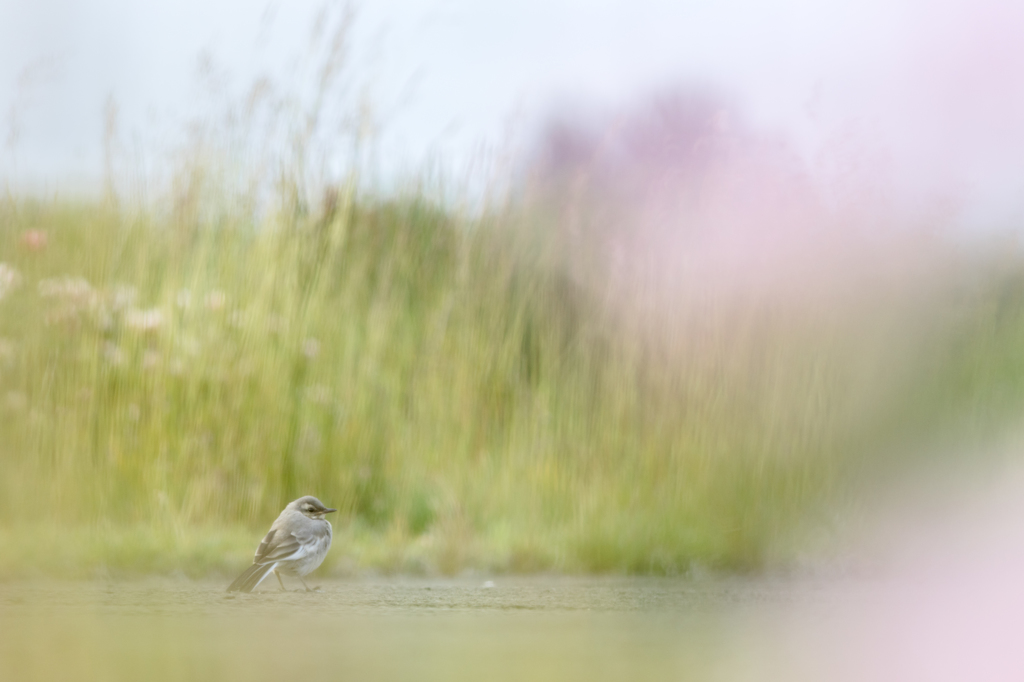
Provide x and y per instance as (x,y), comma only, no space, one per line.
(296,544)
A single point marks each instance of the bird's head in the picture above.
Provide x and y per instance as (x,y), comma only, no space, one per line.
(311,507)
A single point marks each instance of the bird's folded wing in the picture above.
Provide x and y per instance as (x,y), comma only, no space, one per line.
(282,545)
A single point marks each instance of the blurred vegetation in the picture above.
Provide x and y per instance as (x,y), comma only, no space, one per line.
(566,379)
(169,382)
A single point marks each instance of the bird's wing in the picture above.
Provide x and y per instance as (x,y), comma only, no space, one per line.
(281,544)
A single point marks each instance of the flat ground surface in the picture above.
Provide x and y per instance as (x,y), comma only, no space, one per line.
(540,628)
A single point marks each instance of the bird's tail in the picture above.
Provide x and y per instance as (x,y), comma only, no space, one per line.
(251,577)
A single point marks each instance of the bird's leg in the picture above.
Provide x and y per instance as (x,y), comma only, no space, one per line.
(315,589)
(283,588)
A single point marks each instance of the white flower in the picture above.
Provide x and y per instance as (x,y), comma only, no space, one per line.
(74,288)
(72,297)
(10,279)
(123,297)
(144,320)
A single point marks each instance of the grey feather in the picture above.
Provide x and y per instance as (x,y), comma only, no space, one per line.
(250,578)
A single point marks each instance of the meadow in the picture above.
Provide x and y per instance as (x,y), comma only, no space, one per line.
(665,347)
(473,391)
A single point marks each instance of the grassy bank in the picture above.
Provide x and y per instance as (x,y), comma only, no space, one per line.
(454,386)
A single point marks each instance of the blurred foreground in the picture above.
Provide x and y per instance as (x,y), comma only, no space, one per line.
(537,629)
(943,603)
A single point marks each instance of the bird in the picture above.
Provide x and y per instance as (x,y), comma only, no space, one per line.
(295,545)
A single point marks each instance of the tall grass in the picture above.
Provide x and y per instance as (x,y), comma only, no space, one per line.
(590,376)
(462,400)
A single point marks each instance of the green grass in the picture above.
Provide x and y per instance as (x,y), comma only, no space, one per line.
(170,380)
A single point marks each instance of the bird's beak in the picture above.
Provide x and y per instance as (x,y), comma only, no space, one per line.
(328,511)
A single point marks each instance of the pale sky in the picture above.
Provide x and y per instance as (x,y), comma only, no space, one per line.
(936,88)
